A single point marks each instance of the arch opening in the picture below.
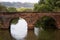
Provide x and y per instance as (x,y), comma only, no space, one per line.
(18,28)
(46,22)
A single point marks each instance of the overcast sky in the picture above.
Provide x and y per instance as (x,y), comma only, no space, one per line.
(30,1)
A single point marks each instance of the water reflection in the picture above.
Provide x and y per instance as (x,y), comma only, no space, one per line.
(43,35)
(31,35)
(48,35)
(36,31)
(19,29)
(5,35)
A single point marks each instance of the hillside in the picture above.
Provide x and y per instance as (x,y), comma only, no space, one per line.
(18,4)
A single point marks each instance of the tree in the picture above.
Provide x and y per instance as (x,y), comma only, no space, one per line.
(11,9)
(41,2)
(21,9)
(47,5)
(58,4)
(46,22)
(43,8)
(3,8)
(24,9)
(14,20)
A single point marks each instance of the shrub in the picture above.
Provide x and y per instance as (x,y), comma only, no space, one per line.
(46,22)
(37,24)
(43,8)
(14,21)
(11,9)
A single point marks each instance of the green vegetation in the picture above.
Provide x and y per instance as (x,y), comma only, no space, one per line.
(37,24)
(11,9)
(14,21)
(24,9)
(41,6)
(3,8)
(1,22)
(47,6)
(46,22)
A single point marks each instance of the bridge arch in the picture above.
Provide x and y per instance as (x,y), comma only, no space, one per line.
(30,17)
(49,20)
(15,21)
(18,28)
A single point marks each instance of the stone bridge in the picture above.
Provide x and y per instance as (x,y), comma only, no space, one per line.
(30,17)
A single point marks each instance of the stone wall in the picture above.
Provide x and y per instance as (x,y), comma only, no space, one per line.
(30,17)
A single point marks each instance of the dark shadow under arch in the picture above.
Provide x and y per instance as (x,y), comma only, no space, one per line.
(48,20)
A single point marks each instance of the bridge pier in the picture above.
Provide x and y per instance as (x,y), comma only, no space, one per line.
(5,23)
(30,27)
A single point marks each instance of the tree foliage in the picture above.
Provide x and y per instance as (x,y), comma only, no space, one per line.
(47,5)
(3,8)
(43,8)
(24,9)
(46,22)
(14,20)
(11,9)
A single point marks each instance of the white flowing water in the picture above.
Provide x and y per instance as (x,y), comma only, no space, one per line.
(19,30)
